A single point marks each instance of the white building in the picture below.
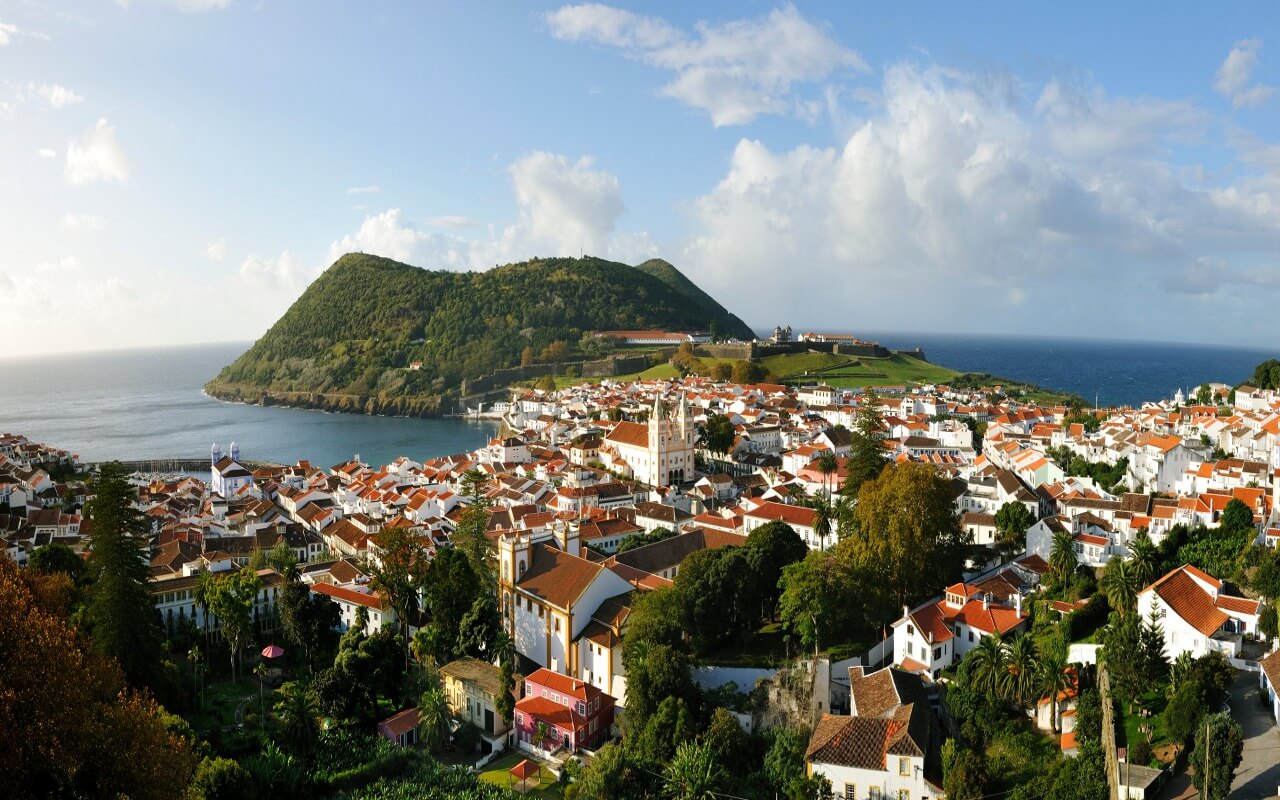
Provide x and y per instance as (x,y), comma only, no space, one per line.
(658,453)
(227,475)
(1197,618)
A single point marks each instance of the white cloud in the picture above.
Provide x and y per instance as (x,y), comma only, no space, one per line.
(566,207)
(734,71)
(185,5)
(56,96)
(1232,79)
(10,33)
(452,222)
(287,272)
(47,152)
(83,223)
(364,190)
(217,250)
(96,157)
(977,199)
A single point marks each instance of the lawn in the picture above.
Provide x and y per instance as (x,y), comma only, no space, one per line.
(220,702)
(497,773)
(1154,702)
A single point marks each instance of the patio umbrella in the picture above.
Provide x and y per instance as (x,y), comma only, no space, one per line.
(272,651)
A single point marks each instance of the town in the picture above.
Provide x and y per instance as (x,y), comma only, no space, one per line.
(689,587)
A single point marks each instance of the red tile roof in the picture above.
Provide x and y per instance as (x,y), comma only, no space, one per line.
(1188,600)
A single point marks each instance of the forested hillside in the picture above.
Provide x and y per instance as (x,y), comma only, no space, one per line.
(351,337)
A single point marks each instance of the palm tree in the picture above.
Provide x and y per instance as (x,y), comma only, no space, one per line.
(693,774)
(1120,585)
(433,718)
(822,517)
(1022,664)
(989,664)
(1062,558)
(1142,558)
(827,464)
(1179,671)
(1052,679)
(541,733)
(299,712)
(261,672)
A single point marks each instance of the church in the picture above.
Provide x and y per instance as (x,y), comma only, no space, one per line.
(658,453)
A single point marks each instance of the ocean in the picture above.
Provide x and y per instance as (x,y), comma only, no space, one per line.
(147,404)
(1116,373)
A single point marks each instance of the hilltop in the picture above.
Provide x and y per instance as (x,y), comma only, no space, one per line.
(377,336)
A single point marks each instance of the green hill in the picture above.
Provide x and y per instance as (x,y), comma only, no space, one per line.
(665,272)
(347,343)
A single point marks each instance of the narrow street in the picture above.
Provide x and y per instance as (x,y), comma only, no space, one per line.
(1259,772)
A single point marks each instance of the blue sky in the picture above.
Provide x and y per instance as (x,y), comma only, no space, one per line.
(178,170)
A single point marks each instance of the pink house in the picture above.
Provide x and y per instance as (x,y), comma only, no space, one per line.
(577,715)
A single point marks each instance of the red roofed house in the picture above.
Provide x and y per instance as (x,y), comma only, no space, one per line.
(576,714)
(400,729)
(350,599)
(801,518)
(1196,616)
(936,635)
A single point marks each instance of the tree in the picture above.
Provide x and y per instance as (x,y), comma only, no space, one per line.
(546,384)
(1120,585)
(282,559)
(480,629)
(718,434)
(1236,517)
(121,615)
(1020,682)
(721,371)
(727,741)
(220,779)
(1218,751)
(527,356)
(451,588)
(1062,556)
(655,673)
(867,456)
(1122,652)
(57,557)
(307,619)
(814,604)
(1143,558)
(990,665)
(299,711)
(1012,521)
(967,777)
(69,724)
(746,372)
(827,463)
(1183,713)
(1204,395)
(907,536)
(824,513)
(433,718)
(718,594)
(655,619)
(1266,576)
(770,549)
(398,573)
(669,726)
(694,773)
(505,702)
(230,596)
(1052,679)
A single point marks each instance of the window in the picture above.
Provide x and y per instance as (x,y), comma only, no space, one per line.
(557,624)
(937,653)
(904,766)
(874,793)
(971,636)
(519,718)
(582,709)
(850,792)
(910,651)
(903,794)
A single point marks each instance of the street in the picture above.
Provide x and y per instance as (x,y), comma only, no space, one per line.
(1259,772)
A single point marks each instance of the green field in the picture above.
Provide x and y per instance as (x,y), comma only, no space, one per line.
(845,372)
(496,773)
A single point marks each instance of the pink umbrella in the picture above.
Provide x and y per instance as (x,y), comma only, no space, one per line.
(272,651)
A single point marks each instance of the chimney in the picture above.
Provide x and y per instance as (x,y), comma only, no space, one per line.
(986,600)
(906,612)
(1017,602)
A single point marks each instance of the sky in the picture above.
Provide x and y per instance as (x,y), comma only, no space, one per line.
(177,171)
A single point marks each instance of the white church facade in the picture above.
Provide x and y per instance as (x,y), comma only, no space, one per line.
(658,452)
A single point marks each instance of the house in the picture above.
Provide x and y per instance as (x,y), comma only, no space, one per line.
(889,757)
(472,688)
(658,453)
(1269,681)
(1196,616)
(801,518)
(228,476)
(547,593)
(353,597)
(932,637)
(400,729)
(576,715)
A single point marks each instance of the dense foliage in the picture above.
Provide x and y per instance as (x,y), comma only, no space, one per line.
(359,326)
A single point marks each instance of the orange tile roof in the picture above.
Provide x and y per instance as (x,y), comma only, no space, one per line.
(1188,600)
